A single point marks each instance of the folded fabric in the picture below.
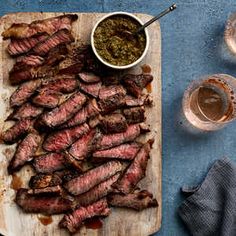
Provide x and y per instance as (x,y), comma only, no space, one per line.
(211,207)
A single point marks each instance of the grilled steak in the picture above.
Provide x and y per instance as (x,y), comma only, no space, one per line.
(17,131)
(134,115)
(74,163)
(136,171)
(112,140)
(67,174)
(126,151)
(111,98)
(49,162)
(83,146)
(143,100)
(60,140)
(30,60)
(74,220)
(89,77)
(93,177)
(19,46)
(136,83)
(90,110)
(49,26)
(24,92)
(24,152)
(44,180)
(57,190)
(137,201)
(45,204)
(65,111)
(113,123)
(27,110)
(47,99)
(111,80)
(98,192)
(60,37)
(91,89)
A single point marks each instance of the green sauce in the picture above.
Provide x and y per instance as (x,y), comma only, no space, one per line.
(117,47)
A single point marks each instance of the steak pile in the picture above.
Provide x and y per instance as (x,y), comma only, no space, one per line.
(76,125)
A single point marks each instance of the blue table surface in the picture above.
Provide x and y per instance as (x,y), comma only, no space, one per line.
(191,47)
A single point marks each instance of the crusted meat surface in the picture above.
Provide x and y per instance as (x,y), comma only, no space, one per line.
(93,177)
(91,88)
(134,115)
(74,220)
(24,152)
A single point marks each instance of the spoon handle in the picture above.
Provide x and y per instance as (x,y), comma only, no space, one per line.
(171,8)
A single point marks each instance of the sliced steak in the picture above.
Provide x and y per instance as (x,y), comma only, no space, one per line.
(137,201)
(67,174)
(136,83)
(49,26)
(134,115)
(51,190)
(111,98)
(31,60)
(47,98)
(143,100)
(136,171)
(24,152)
(93,177)
(89,77)
(113,123)
(45,204)
(24,92)
(44,180)
(60,37)
(112,140)
(27,110)
(91,109)
(19,46)
(74,220)
(17,131)
(96,193)
(62,139)
(83,146)
(49,162)
(91,89)
(127,151)
(65,111)
(111,80)
(74,163)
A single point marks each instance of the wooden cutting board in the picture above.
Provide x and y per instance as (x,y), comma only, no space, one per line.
(122,222)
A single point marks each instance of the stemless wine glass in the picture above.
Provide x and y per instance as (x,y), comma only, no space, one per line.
(210,103)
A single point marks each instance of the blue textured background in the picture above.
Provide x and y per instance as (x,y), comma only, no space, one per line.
(191,39)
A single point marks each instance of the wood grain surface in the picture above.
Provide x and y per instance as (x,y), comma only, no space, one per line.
(122,222)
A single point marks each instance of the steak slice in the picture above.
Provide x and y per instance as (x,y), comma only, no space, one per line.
(75,219)
(57,190)
(24,152)
(31,60)
(89,77)
(60,37)
(27,110)
(83,146)
(134,115)
(49,162)
(137,201)
(136,83)
(93,177)
(90,110)
(127,151)
(111,98)
(135,171)
(90,89)
(47,98)
(17,131)
(111,140)
(24,92)
(44,180)
(65,111)
(113,123)
(19,46)
(49,26)
(62,139)
(143,100)
(45,204)
(67,174)
(96,193)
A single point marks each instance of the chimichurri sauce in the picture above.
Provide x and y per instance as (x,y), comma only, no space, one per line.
(117,47)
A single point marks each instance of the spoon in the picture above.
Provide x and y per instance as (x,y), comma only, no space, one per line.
(140,29)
